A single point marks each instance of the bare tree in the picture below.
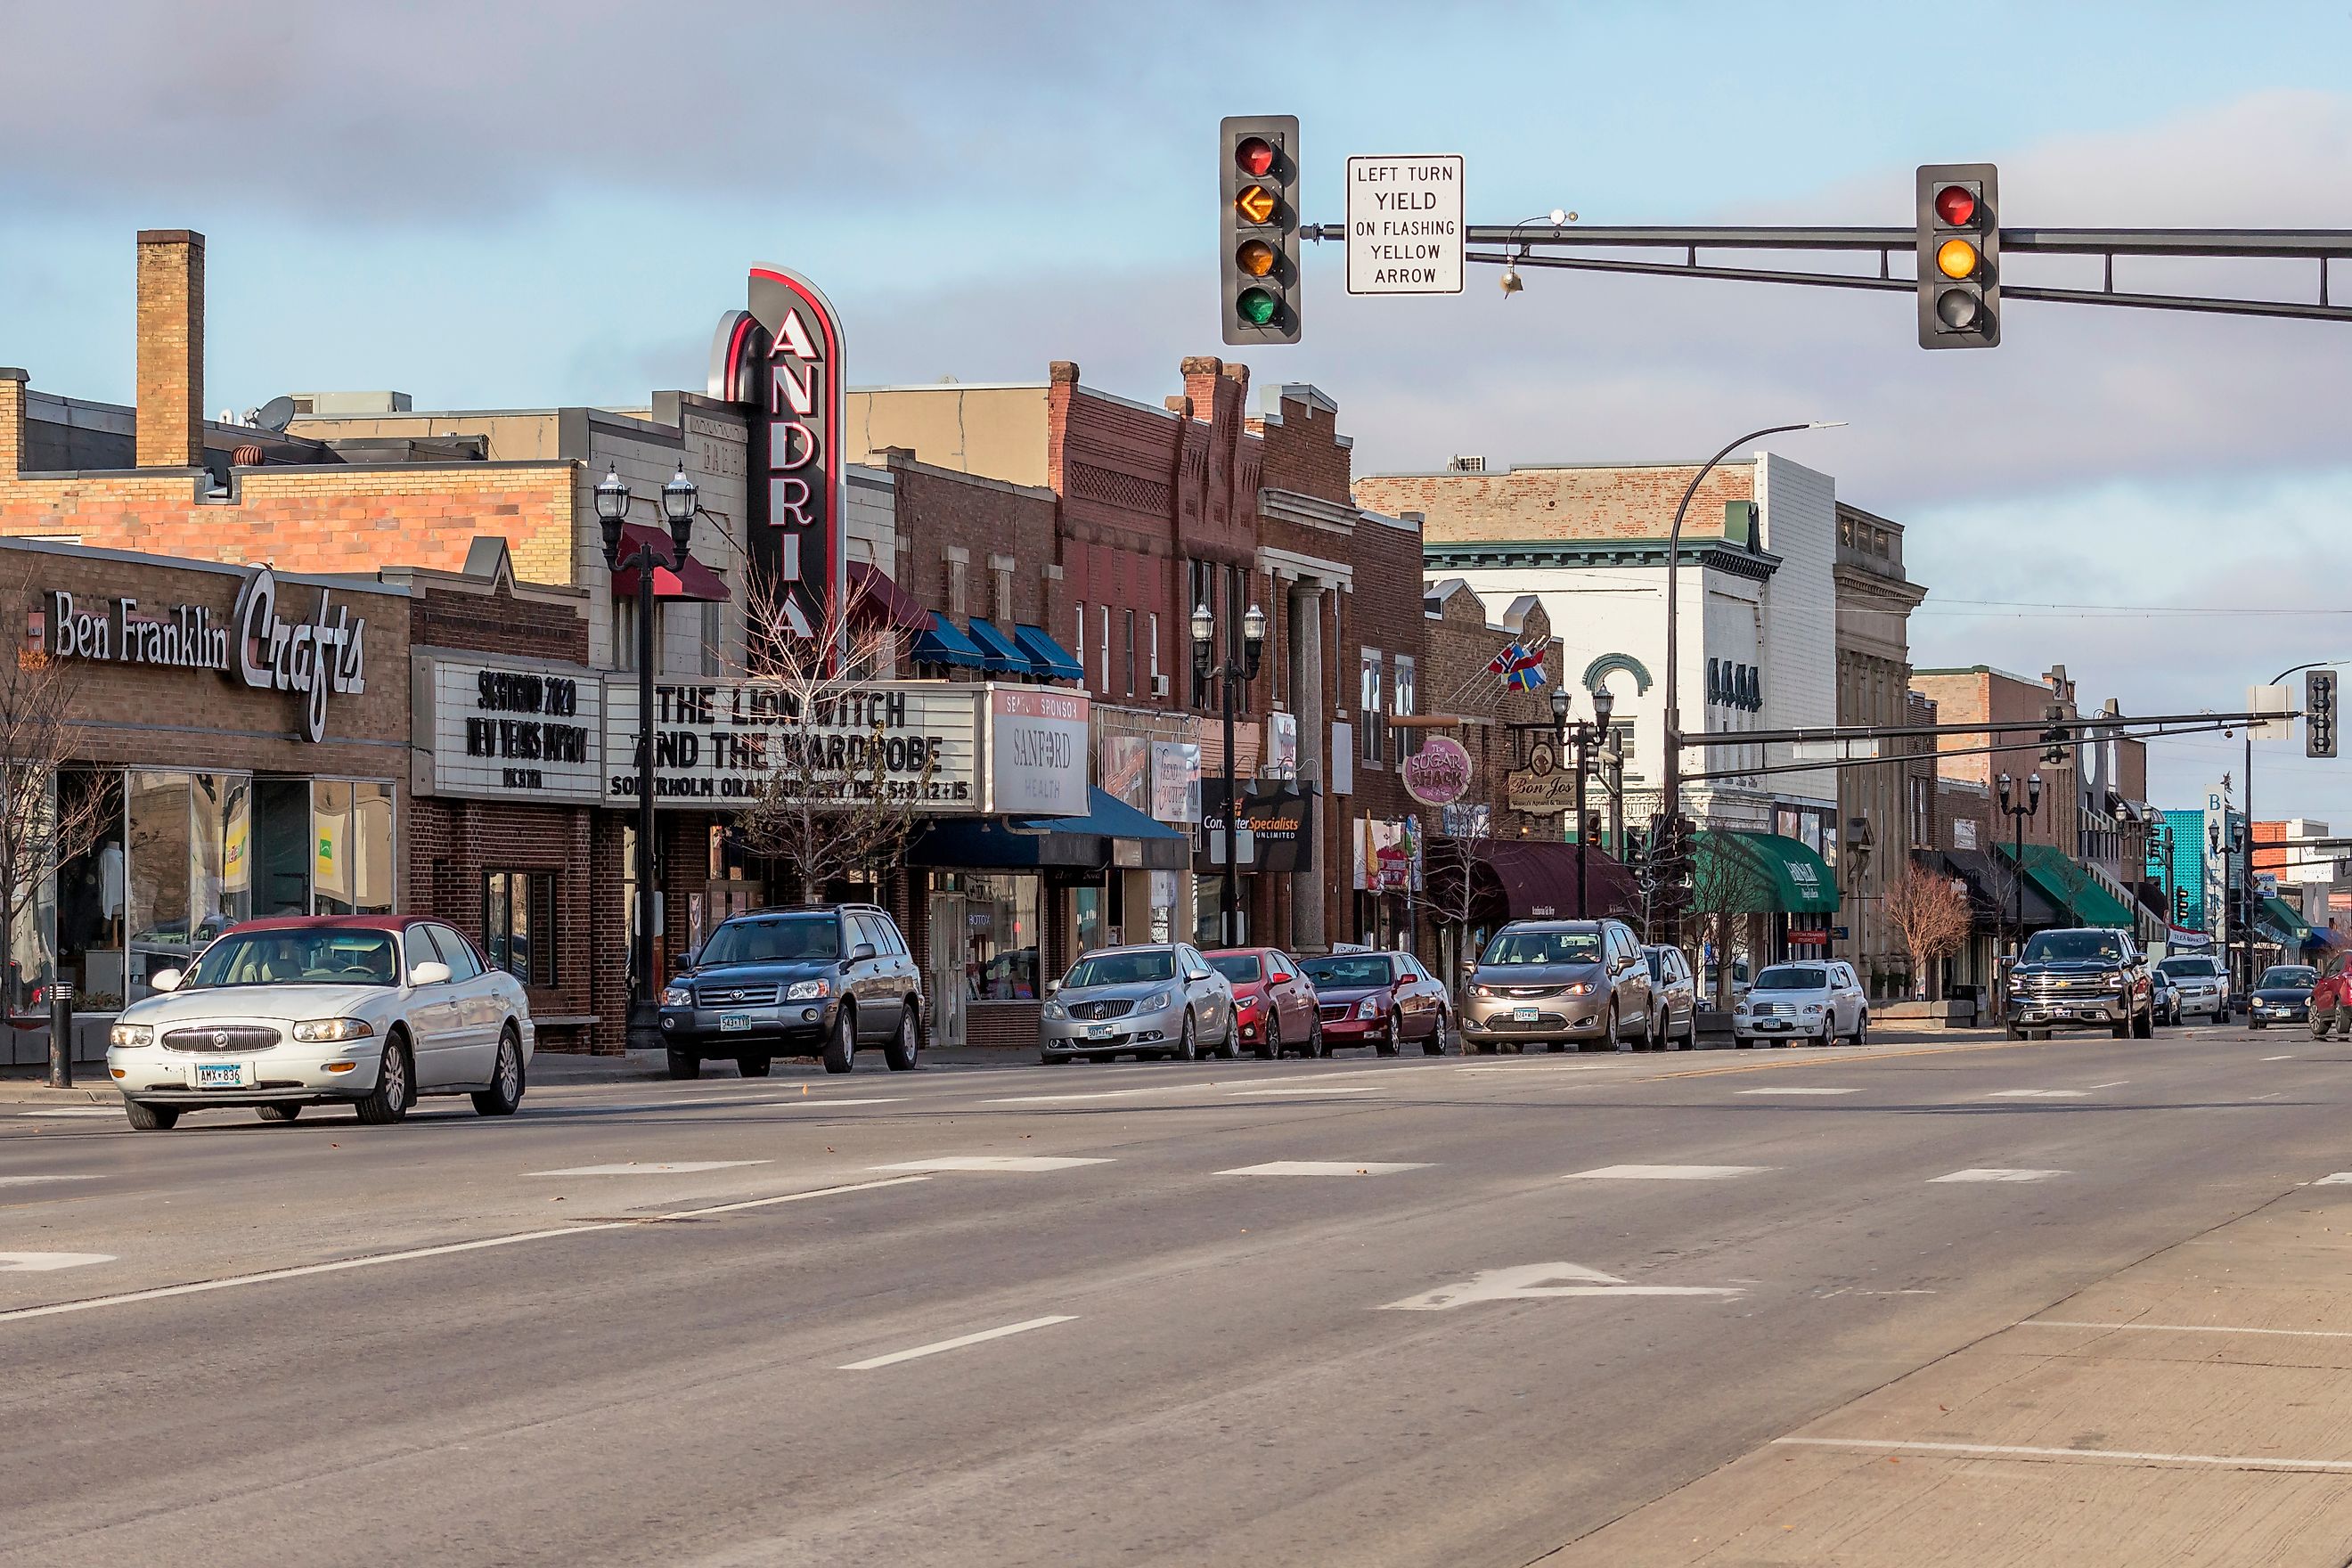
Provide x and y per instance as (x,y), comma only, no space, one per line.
(1933,917)
(43,819)
(1454,862)
(1726,883)
(831,802)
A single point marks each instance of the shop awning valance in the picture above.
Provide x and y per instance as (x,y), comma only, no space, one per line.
(1760,873)
(2284,924)
(1994,893)
(942,643)
(1539,880)
(999,653)
(690,580)
(873,595)
(2083,898)
(1075,843)
(1050,658)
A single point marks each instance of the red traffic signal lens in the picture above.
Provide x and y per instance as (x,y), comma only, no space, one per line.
(1254,257)
(1956,205)
(1254,155)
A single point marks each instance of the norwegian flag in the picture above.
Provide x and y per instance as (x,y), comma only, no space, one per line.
(1521,667)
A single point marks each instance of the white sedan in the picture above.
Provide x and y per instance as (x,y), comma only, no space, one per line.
(367,1011)
(1819,1002)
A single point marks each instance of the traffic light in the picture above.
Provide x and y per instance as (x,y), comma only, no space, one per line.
(2180,908)
(1959,256)
(1258,162)
(2319,714)
(1592,828)
(2054,746)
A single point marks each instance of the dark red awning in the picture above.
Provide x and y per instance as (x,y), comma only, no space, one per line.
(873,596)
(692,581)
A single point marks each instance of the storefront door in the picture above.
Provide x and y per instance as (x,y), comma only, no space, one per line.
(944,978)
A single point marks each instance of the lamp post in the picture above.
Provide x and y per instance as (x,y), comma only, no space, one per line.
(1583,736)
(2018,811)
(2223,844)
(678,503)
(1230,675)
(1860,843)
(1671,762)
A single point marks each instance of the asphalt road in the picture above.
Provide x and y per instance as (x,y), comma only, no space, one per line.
(1355,1312)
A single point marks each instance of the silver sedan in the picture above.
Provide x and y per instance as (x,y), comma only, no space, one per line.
(1162,1000)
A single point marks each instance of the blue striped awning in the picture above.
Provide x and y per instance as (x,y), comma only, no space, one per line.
(998,651)
(942,644)
(1053,661)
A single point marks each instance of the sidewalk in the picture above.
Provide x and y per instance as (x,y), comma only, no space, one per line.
(2195,1407)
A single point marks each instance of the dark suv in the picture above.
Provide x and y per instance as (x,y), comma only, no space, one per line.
(2087,978)
(817,980)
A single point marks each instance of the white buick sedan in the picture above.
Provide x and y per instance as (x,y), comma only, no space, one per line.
(360,1010)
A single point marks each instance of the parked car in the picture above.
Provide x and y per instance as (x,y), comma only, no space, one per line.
(1157,1000)
(369,1011)
(1275,1005)
(2166,995)
(2203,984)
(1554,981)
(1817,1000)
(2283,995)
(812,980)
(1678,992)
(2331,1000)
(2081,979)
(1379,999)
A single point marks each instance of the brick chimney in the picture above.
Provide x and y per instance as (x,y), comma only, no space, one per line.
(12,422)
(171,423)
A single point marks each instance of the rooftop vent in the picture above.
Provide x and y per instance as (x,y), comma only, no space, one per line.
(1465,464)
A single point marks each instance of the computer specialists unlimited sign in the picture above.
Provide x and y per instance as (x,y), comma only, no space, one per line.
(718,745)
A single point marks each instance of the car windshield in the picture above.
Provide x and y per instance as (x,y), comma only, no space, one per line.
(781,939)
(2190,968)
(2289,977)
(1238,966)
(2072,947)
(1345,970)
(1793,977)
(329,957)
(1515,947)
(1123,968)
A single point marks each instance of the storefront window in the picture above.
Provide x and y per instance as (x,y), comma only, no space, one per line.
(90,898)
(1208,913)
(1001,936)
(281,846)
(519,923)
(158,856)
(351,847)
(220,843)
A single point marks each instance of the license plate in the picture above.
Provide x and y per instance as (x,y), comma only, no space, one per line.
(1769,1024)
(733,1023)
(1101,1031)
(220,1075)
(1523,1015)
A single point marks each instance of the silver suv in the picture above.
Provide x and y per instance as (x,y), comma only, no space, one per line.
(1557,981)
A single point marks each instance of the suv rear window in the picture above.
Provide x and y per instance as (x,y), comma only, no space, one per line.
(774,938)
(2193,968)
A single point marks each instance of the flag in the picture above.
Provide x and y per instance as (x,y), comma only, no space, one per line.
(1521,667)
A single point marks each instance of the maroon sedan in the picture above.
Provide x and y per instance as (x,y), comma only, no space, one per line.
(1380,1000)
(1273,1003)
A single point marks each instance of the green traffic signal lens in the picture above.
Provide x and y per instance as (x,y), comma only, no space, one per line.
(1256,306)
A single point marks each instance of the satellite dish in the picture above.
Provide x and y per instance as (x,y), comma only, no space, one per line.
(275,414)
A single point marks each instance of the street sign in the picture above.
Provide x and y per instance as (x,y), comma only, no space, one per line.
(2271,699)
(2319,714)
(1404,225)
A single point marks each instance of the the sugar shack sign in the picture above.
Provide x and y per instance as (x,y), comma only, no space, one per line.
(314,658)
(510,729)
(717,745)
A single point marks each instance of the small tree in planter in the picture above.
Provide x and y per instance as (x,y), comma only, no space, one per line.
(1933,917)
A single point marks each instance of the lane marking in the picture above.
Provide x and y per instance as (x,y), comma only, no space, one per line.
(2271,1095)
(1662,1173)
(2188,1328)
(1307,1088)
(1096,1094)
(30,1181)
(956,1343)
(649,1168)
(1796,1091)
(1540,1066)
(991,1162)
(85,1111)
(1536,1281)
(2117,1083)
(232,1281)
(1324,1168)
(2285,1058)
(1997,1174)
(42,1262)
(2233,1461)
(2037,1094)
(2341,1179)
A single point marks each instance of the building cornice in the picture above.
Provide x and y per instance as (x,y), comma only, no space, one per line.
(1711,554)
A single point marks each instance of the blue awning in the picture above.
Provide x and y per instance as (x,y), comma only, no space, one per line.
(1107,816)
(999,652)
(942,644)
(1076,843)
(1053,661)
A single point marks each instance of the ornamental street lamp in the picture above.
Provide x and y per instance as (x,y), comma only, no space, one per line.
(1230,676)
(621,553)
(2017,811)
(1583,736)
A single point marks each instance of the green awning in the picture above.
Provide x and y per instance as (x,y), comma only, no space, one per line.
(2065,883)
(2285,922)
(1759,873)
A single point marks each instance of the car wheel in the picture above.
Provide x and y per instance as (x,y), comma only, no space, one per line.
(1829,1031)
(1315,1048)
(504,1097)
(1270,1048)
(1648,1039)
(151,1118)
(2253,1023)
(1047,1058)
(277,1112)
(1385,1044)
(1487,1048)
(1230,1047)
(2013,1032)
(1188,1048)
(905,1043)
(2144,1025)
(1862,1028)
(841,1046)
(387,1102)
(753,1066)
(1608,1040)
(1435,1045)
(684,1064)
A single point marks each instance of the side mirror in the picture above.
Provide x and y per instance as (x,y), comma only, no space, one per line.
(164,980)
(1052,986)
(861,952)
(428,974)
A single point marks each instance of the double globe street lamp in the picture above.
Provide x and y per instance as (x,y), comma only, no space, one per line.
(1230,675)
(642,552)
(1583,736)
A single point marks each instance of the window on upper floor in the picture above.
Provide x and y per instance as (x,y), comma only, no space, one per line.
(1369,723)
(1407,739)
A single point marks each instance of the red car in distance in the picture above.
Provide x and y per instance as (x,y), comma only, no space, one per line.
(1275,1005)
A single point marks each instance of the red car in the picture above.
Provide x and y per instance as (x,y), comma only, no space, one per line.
(1380,1000)
(1273,1003)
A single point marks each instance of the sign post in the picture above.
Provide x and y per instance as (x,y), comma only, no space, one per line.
(1404,225)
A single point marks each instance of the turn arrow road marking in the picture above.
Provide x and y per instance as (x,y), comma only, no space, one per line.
(1540,1281)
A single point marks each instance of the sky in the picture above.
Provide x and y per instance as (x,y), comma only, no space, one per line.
(526,204)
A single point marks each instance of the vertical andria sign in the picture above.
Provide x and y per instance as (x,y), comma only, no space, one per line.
(784,358)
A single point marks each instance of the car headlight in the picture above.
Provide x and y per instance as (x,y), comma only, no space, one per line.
(1577,988)
(806,990)
(677,996)
(1246,1003)
(2114,977)
(1812,1010)
(130,1037)
(1370,1007)
(321,1029)
(1056,1011)
(1486,991)
(1159,1001)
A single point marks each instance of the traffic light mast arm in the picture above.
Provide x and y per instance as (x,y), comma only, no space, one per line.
(2103,722)
(2132,729)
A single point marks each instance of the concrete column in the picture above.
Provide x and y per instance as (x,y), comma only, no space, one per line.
(1306,687)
